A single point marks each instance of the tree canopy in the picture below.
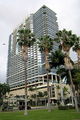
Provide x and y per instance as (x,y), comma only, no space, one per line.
(4,88)
(66,39)
(77,44)
(25,37)
(56,58)
(45,43)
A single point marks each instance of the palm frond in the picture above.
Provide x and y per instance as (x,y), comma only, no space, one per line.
(56,58)
(45,42)
(66,37)
(25,37)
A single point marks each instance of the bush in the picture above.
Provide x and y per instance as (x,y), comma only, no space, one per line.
(63,107)
(1,101)
(71,107)
(6,107)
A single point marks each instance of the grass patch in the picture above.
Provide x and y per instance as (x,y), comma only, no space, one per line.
(41,115)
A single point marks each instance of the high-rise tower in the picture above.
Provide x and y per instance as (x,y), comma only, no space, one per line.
(43,22)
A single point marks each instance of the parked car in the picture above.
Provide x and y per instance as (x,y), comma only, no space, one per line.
(69,104)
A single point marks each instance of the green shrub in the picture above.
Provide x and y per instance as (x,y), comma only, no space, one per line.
(71,107)
(63,107)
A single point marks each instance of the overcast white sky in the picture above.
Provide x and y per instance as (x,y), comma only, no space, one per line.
(13,12)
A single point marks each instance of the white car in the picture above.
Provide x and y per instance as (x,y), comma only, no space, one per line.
(70,104)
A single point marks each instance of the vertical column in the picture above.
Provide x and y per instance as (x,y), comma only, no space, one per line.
(52,78)
(43,79)
(56,78)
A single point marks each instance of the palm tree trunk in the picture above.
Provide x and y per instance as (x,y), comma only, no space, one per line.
(62,97)
(25,112)
(72,98)
(78,55)
(48,91)
(36,93)
(73,90)
(47,66)
(25,56)
(47,69)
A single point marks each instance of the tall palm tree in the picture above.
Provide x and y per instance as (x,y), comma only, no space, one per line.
(75,77)
(46,44)
(56,60)
(67,40)
(25,40)
(76,48)
(76,80)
